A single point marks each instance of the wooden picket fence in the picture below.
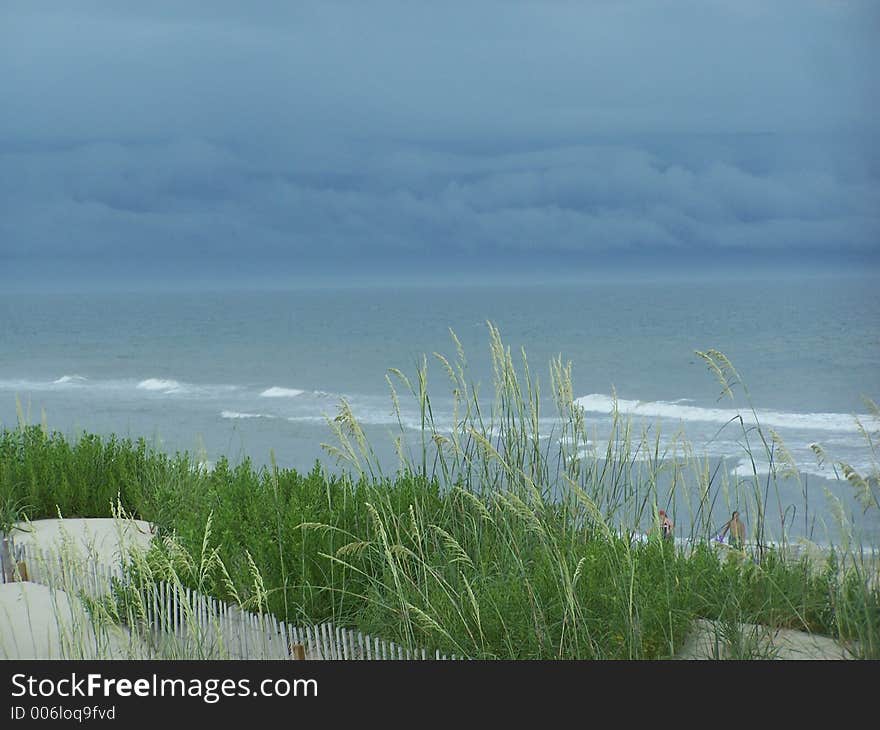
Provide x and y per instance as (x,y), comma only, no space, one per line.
(176,621)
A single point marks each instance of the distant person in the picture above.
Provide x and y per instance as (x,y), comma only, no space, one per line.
(737,531)
(665,525)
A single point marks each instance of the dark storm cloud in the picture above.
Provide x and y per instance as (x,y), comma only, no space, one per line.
(297,131)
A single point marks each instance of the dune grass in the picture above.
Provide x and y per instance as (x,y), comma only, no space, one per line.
(492,540)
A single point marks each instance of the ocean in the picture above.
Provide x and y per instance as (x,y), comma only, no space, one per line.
(249,373)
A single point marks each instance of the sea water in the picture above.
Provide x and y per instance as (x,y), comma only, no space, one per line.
(243,374)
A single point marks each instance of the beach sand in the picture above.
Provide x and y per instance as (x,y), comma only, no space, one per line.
(38,622)
(103,539)
(711,640)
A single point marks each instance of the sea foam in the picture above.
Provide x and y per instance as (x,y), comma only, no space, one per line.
(842,422)
(744,468)
(276,392)
(239,415)
(65,379)
(160,385)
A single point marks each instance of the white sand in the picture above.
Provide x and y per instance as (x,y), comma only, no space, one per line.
(37,622)
(104,539)
(708,640)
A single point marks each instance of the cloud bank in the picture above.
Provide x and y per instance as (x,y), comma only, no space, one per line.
(355,134)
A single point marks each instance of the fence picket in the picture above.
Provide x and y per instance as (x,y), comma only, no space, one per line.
(272,631)
(214,627)
(162,606)
(269,630)
(188,609)
(169,611)
(282,638)
(224,634)
(184,616)
(260,623)
(203,625)
(241,620)
(286,640)
(175,610)
(353,649)
(242,631)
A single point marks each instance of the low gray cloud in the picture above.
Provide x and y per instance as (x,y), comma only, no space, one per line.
(191,196)
(352,132)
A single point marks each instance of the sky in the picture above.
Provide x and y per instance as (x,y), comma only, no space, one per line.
(275,142)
